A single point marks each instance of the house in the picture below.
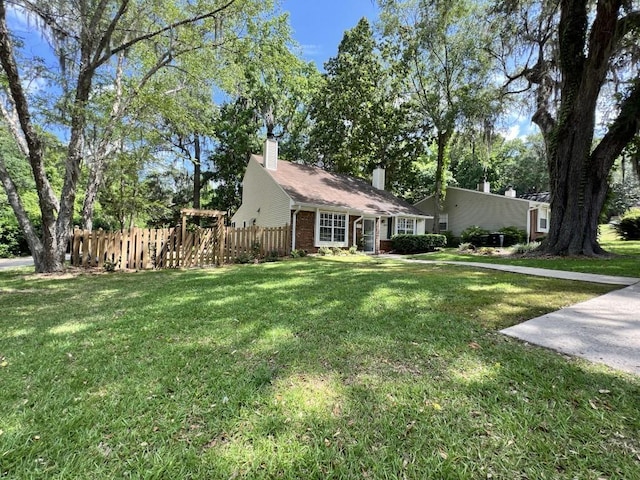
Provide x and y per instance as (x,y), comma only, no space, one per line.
(324,209)
(463,208)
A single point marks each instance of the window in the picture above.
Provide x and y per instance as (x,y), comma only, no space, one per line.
(405,226)
(444,222)
(332,227)
(543,219)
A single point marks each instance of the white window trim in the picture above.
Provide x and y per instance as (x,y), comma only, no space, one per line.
(415,225)
(444,218)
(540,210)
(319,243)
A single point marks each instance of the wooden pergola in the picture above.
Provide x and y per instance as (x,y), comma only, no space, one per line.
(196,212)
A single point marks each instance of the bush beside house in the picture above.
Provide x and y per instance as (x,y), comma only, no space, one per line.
(480,237)
(417,243)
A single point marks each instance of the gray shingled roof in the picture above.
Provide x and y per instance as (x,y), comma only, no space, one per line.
(537,197)
(313,186)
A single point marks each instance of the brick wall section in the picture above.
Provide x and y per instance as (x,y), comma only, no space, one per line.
(385,246)
(305,231)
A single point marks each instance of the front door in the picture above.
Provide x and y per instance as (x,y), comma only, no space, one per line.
(369,235)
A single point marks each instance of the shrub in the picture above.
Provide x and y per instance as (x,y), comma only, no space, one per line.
(513,235)
(522,248)
(109,266)
(298,253)
(473,235)
(244,257)
(353,249)
(272,256)
(452,240)
(629,226)
(466,247)
(417,243)
(336,251)
(322,251)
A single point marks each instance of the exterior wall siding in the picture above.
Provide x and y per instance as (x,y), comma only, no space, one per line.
(488,211)
(262,200)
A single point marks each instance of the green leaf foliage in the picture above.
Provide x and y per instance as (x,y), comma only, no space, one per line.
(360,118)
(417,243)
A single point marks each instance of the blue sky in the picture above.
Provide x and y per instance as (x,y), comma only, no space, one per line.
(318,25)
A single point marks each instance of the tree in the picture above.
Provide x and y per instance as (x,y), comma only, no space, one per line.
(237,138)
(582,61)
(519,163)
(360,118)
(87,37)
(441,48)
(277,83)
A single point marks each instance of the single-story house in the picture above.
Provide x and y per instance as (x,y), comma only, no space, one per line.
(323,208)
(463,208)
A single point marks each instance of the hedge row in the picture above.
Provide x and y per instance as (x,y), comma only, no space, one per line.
(417,243)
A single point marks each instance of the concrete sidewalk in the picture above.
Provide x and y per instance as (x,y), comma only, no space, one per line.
(536,272)
(605,329)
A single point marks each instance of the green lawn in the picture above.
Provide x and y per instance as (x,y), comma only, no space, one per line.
(625,261)
(312,368)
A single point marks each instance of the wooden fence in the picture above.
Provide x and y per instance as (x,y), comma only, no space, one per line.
(140,249)
(257,241)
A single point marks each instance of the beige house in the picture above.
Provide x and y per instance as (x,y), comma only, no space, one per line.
(463,208)
(323,208)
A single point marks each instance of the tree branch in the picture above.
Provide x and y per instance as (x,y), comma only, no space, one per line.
(106,38)
(48,201)
(16,204)
(622,130)
(150,35)
(625,26)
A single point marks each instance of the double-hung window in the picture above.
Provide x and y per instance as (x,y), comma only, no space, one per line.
(332,227)
(543,219)
(443,222)
(405,226)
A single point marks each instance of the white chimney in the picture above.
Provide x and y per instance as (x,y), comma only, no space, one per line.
(510,192)
(270,154)
(378,178)
(484,187)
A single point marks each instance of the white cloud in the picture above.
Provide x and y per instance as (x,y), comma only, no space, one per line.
(512,132)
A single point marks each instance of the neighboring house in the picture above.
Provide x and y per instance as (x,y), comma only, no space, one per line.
(323,208)
(463,208)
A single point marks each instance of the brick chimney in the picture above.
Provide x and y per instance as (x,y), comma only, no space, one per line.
(270,154)
(378,178)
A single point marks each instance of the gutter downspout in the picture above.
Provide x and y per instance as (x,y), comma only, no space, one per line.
(356,222)
(531,209)
(294,222)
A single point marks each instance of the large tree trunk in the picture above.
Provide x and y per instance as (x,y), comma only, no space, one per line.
(578,172)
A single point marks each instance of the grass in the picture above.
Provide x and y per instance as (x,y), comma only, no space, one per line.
(312,368)
(625,261)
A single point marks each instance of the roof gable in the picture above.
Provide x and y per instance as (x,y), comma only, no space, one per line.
(312,186)
(524,198)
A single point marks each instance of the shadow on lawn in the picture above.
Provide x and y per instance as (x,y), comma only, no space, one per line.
(309,368)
